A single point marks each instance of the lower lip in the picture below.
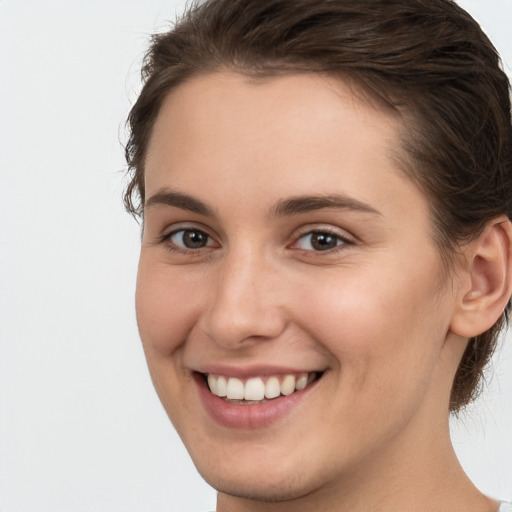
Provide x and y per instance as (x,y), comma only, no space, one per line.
(252,416)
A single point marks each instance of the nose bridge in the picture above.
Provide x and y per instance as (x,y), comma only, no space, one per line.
(244,304)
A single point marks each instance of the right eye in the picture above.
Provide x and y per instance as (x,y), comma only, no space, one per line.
(190,239)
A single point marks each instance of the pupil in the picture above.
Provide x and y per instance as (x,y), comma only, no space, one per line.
(323,241)
(194,239)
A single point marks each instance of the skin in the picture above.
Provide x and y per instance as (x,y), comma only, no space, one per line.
(374,313)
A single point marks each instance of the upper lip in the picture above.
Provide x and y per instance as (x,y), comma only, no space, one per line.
(246,372)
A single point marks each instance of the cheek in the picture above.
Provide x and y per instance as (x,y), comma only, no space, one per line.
(383,329)
(165,314)
(165,308)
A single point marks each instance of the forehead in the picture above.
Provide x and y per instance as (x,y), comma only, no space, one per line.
(242,147)
(229,122)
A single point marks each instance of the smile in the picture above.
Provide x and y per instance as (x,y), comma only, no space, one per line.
(252,401)
(257,390)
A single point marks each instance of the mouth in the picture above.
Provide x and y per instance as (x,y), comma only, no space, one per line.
(258,389)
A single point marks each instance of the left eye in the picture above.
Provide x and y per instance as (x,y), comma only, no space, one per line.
(190,239)
(319,241)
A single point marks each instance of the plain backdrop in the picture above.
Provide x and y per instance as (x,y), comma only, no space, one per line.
(80,425)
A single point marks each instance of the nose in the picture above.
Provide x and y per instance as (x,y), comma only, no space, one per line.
(245,303)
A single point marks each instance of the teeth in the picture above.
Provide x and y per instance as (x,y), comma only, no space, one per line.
(288,385)
(212,384)
(235,389)
(255,388)
(222,387)
(301,382)
(272,388)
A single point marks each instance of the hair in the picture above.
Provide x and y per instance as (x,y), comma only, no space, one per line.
(427,60)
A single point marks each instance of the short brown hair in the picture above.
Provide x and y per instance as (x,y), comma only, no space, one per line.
(428,60)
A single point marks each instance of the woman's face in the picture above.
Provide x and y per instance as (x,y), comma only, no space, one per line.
(282,243)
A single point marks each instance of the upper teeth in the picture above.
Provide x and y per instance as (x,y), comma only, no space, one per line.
(256,388)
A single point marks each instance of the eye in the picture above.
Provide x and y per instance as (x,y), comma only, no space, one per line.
(190,239)
(320,241)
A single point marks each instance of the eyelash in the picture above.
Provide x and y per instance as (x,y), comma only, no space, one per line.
(341,241)
(173,247)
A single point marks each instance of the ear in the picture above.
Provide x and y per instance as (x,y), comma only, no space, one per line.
(486,280)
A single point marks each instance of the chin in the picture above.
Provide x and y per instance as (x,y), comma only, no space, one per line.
(270,477)
(269,487)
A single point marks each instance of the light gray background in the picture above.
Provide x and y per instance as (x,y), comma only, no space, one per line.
(80,425)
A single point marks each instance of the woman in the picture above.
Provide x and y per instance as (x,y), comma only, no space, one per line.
(326,191)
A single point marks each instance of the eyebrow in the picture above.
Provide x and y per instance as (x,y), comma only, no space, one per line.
(283,208)
(166,197)
(305,204)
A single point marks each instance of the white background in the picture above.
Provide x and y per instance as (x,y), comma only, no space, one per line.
(80,425)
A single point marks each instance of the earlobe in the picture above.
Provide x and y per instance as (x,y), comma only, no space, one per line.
(486,280)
